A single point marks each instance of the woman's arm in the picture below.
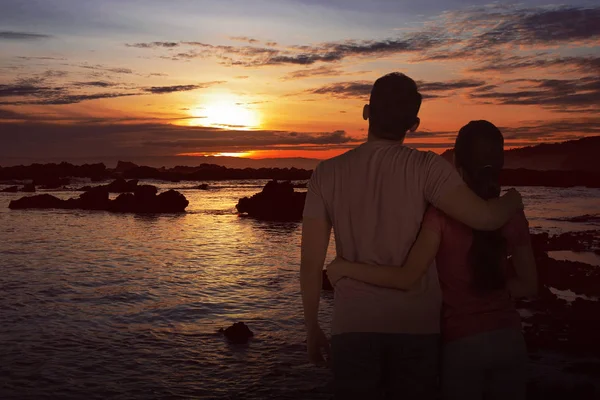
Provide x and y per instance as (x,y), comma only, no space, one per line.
(419,259)
(525,283)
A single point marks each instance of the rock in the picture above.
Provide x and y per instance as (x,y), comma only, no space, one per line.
(276,202)
(119,185)
(11,189)
(40,201)
(238,333)
(326,285)
(300,185)
(124,203)
(44,174)
(29,188)
(202,186)
(172,201)
(96,199)
(144,200)
(124,166)
(52,182)
(143,173)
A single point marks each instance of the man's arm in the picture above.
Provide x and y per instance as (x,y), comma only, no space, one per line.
(315,240)
(419,260)
(465,206)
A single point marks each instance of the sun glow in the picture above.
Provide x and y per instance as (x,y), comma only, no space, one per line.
(226,111)
(240,154)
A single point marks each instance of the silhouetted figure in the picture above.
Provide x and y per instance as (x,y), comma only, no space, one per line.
(384,342)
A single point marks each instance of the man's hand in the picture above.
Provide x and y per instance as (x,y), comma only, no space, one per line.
(515,198)
(317,344)
(335,271)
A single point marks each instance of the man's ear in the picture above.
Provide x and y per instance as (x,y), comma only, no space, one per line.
(366,112)
(415,125)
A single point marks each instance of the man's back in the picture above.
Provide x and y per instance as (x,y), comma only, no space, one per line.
(375,197)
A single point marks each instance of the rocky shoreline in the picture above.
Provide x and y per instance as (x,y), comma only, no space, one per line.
(138,199)
(53,176)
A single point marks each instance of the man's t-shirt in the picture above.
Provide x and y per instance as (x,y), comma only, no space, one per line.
(375,196)
(465,310)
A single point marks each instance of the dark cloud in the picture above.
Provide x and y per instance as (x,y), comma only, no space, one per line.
(346,90)
(241,77)
(476,33)
(78,98)
(100,84)
(12,35)
(556,94)
(565,128)
(26,89)
(153,45)
(426,87)
(107,69)
(37,91)
(98,139)
(324,70)
(271,44)
(9,114)
(542,27)
(55,74)
(179,88)
(362,89)
(41,58)
(587,64)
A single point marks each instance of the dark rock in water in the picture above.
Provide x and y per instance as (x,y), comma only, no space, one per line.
(119,185)
(326,282)
(142,173)
(12,189)
(172,201)
(276,202)
(124,166)
(52,182)
(300,185)
(203,186)
(125,202)
(144,200)
(39,201)
(29,188)
(96,199)
(44,174)
(238,333)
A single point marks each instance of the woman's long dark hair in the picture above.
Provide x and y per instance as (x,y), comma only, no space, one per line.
(479,152)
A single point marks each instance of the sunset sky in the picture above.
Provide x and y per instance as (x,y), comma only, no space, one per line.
(284,78)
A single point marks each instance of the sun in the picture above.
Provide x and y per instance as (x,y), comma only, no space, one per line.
(227,111)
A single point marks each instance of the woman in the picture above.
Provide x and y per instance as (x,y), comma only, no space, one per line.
(484,354)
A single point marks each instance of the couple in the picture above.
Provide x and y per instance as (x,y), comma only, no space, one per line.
(395,211)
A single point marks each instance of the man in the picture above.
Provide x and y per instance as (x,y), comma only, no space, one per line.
(384,342)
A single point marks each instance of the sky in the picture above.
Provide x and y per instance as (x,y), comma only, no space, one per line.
(285,78)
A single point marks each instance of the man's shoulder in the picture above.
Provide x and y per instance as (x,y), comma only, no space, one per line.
(338,160)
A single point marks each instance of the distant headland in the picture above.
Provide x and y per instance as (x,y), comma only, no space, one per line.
(566,164)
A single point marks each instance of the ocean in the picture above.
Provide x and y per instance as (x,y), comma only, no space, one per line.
(96,305)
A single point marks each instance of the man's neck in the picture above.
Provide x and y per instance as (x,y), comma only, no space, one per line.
(374,138)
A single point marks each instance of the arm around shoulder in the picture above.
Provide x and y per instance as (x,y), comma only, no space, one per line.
(463,205)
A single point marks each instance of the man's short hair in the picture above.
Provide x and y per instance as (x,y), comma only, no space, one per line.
(394,105)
